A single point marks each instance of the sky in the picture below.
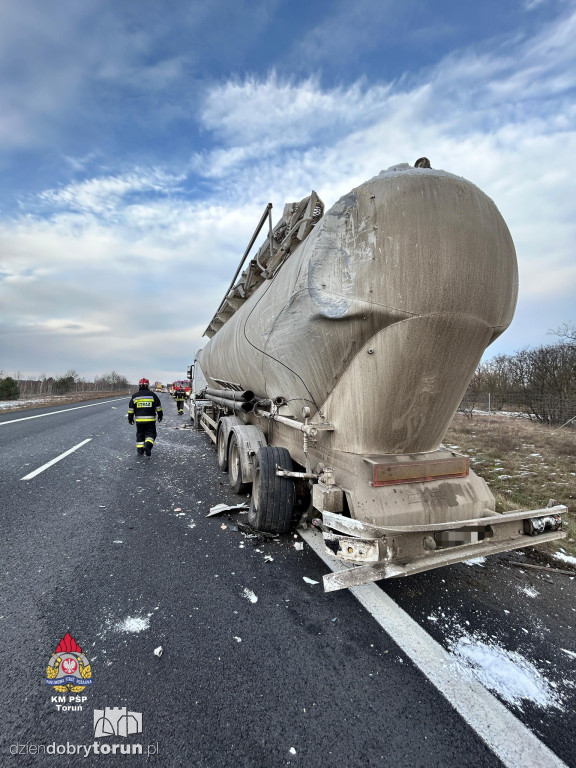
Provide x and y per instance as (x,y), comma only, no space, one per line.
(140,141)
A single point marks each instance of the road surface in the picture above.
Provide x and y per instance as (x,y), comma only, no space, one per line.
(258,667)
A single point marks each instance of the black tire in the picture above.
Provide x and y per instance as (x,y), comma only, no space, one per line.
(273,497)
(222,450)
(235,468)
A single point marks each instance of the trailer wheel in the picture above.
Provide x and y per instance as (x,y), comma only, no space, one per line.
(272,504)
(222,449)
(235,467)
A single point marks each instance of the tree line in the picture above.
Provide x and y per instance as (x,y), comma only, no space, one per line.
(538,381)
(13,387)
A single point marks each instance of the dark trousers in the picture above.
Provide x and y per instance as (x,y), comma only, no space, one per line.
(180,405)
(145,434)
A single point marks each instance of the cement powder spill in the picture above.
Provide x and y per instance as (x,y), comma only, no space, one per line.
(133,624)
(529,591)
(507,673)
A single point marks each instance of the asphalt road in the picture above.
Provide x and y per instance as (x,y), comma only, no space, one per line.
(117,550)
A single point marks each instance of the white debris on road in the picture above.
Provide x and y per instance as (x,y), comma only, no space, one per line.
(238,639)
(249,595)
(475,561)
(158,651)
(568,653)
(310,581)
(220,508)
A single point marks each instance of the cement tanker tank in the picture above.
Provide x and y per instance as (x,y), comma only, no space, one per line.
(357,331)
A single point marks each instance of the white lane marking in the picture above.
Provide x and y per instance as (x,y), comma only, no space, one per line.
(54,413)
(54,461)
(510,740)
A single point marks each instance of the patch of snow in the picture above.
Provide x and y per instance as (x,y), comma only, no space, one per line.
(133,624)
(18,403)
(565,558)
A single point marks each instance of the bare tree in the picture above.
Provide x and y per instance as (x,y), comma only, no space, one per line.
(566,332)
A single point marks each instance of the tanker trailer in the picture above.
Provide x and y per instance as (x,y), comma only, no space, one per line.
(338,358)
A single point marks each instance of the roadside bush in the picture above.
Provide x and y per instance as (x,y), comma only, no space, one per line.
(62,385)
(9,389)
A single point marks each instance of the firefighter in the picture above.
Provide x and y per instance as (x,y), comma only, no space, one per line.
(143,408)
(180,396)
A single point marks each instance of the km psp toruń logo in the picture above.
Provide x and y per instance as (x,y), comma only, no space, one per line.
(68,670)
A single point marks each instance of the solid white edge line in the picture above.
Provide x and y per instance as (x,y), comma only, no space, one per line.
(508,738)
(64,410)
(54,461)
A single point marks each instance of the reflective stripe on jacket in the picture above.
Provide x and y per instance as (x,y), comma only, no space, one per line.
(144,405)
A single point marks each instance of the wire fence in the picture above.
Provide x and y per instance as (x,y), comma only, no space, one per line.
(547,409)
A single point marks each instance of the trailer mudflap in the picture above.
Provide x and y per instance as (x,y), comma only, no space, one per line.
(405,550)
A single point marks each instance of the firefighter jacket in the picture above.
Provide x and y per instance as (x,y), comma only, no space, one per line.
(144,405)
(180,395)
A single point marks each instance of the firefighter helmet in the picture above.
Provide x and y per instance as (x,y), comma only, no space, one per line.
(143,382)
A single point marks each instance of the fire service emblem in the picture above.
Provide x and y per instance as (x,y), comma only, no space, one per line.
(68,668)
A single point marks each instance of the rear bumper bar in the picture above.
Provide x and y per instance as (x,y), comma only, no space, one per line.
(382,552)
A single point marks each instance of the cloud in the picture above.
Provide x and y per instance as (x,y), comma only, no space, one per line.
(502,117)
(149,248)
(105,194)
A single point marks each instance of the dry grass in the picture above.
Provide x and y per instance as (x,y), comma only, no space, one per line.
(524,463)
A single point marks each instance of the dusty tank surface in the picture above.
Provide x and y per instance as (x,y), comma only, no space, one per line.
(358,341)
(381,316)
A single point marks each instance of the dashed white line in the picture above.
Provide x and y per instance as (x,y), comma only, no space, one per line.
(54,413)
(54,461)
(510,740)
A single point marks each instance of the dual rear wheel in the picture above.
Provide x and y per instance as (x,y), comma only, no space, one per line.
(277,503)
(273,497)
